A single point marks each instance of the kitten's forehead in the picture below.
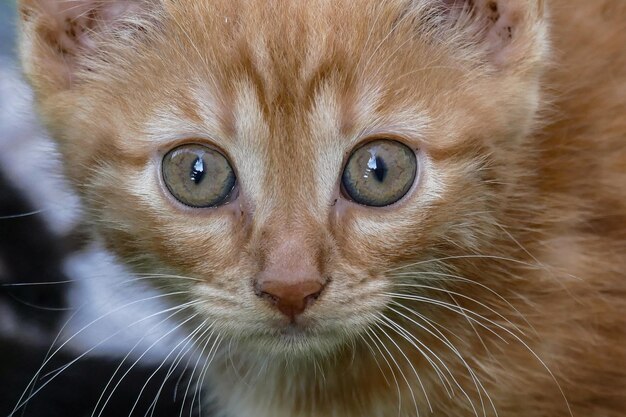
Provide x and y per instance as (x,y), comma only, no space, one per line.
(286,50)
(294,70)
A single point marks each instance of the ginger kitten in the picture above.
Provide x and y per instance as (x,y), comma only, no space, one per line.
(372,208)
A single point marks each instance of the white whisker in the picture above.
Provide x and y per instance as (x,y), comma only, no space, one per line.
(454,293)
(369,347)
(454,309)
(184,352)
(412,340)
(420,276)
(419,379)
(393,374)
(49,356)
(203,374)
(449,258)
(186,342)
(139,359)
(442,338)
(209,354)
(17,216)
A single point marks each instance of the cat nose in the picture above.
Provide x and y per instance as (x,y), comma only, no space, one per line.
(290,298)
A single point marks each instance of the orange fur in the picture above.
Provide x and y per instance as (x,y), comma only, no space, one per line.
(517,221)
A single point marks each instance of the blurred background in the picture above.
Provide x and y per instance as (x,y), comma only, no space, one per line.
(7,30)
(59,290)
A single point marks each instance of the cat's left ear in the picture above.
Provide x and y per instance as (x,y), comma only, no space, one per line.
(57,36)
(507,33)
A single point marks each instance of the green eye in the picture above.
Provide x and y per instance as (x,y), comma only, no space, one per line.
(379,173)
(198,176)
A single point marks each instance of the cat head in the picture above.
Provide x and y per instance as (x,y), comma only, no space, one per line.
(286,167)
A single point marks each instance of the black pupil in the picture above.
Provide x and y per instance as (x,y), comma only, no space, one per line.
(197,170)
(377,166)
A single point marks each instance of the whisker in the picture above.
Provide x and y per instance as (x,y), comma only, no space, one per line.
(138,277)
(382,42)
(369,37)
(29,284)
(215,343)
(139,359)
(419,275)
(184,352)
(17,216)
(471,324)
(449,258)
(200,356)
(402,373)
(393,374)
(203,374)
(38,307)
(177,309)
(454,293)
(369,347)
(403,332)
(454,309)
(144,275)
(185,341)
(442,338)
(49,356)
(534,258)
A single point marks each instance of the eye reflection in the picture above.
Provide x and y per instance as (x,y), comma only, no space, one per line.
(379,173)
(197,171)
(376,166)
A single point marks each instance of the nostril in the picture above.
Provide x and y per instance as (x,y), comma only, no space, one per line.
(269,297)
(312,297)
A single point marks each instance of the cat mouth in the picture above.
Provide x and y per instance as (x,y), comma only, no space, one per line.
(295,337)
(294,330)
(291,329)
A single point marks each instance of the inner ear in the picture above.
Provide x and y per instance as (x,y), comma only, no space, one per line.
(72,25)
(507,29)
(501,20)
(57,33)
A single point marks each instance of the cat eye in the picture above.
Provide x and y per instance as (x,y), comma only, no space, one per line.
(198,176)
(379,173)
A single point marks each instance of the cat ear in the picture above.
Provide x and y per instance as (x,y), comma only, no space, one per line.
(509,33)
(57,35)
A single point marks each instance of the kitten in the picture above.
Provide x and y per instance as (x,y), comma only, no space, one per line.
(381,208)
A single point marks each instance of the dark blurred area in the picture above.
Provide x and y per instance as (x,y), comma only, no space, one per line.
(76,391)
(7,27)
(30,255)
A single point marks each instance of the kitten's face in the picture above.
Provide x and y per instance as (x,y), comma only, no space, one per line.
(285,96)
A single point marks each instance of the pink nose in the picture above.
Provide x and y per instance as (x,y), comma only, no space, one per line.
(290,298)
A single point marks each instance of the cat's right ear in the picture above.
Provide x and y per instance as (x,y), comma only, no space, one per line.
(510,34)
(58,38)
